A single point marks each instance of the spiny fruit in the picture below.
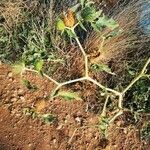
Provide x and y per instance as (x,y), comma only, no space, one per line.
(69,19)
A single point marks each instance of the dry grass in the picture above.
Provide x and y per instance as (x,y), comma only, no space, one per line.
(131,45)
(11,11)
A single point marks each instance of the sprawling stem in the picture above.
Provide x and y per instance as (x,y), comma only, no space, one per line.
(45,75)
(104,108)
(66,83)
(83,52)
(103,87)
(120,112)
(142,73)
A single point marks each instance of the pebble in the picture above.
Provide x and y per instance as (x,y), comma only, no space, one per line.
(22,98)
(30,145)
(10,74)
(20,92)
(14,99)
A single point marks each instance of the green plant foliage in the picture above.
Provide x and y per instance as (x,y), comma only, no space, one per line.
(29,112)
(101,67)
(90,14)
(4,44)
(39,65)
(138,97)
(60,25)
(104,123)
(106,22)
(29,85)
(48,118)
(68,95)
(145,132)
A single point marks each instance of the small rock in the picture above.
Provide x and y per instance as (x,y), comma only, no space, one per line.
(10,79)
(14,99)
(10,74)
(78,119)
(30,145)
(59,127)
(22,98)
(54,141)
(20,92)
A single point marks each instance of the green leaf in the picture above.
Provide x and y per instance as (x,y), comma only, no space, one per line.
(68,95)
(102,67)
(60,25)
(104,122)
(82,26)
(74,8)
(18,68)
(29,85)
(88,14)
(82,3)
(48,118)
(106,22)
(95,27)
(113,33)
(38,65)
(89,3)
(112,24)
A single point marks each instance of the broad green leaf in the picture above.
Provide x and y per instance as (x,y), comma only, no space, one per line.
(18,68)
(95,27)
(68,95)
(102,67)
(88,14)
(106,22)
(60,25)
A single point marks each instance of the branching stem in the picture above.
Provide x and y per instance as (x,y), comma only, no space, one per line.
(142,73)
(45,75)
(86,77)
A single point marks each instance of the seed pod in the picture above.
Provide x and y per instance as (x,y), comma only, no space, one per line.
(69,19)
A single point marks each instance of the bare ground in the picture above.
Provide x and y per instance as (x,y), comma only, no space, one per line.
(75,127)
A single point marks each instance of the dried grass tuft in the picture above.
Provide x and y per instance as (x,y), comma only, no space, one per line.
(132,45)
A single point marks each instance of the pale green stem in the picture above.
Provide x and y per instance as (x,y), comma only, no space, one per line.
(83,52)
(105,105)
(103,87)
(137,78)
(86,66)
(52,80)
(66,83)
(72,81)
(115,116)
(102,44)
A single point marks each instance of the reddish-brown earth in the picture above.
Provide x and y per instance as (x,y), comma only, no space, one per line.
(74,129)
